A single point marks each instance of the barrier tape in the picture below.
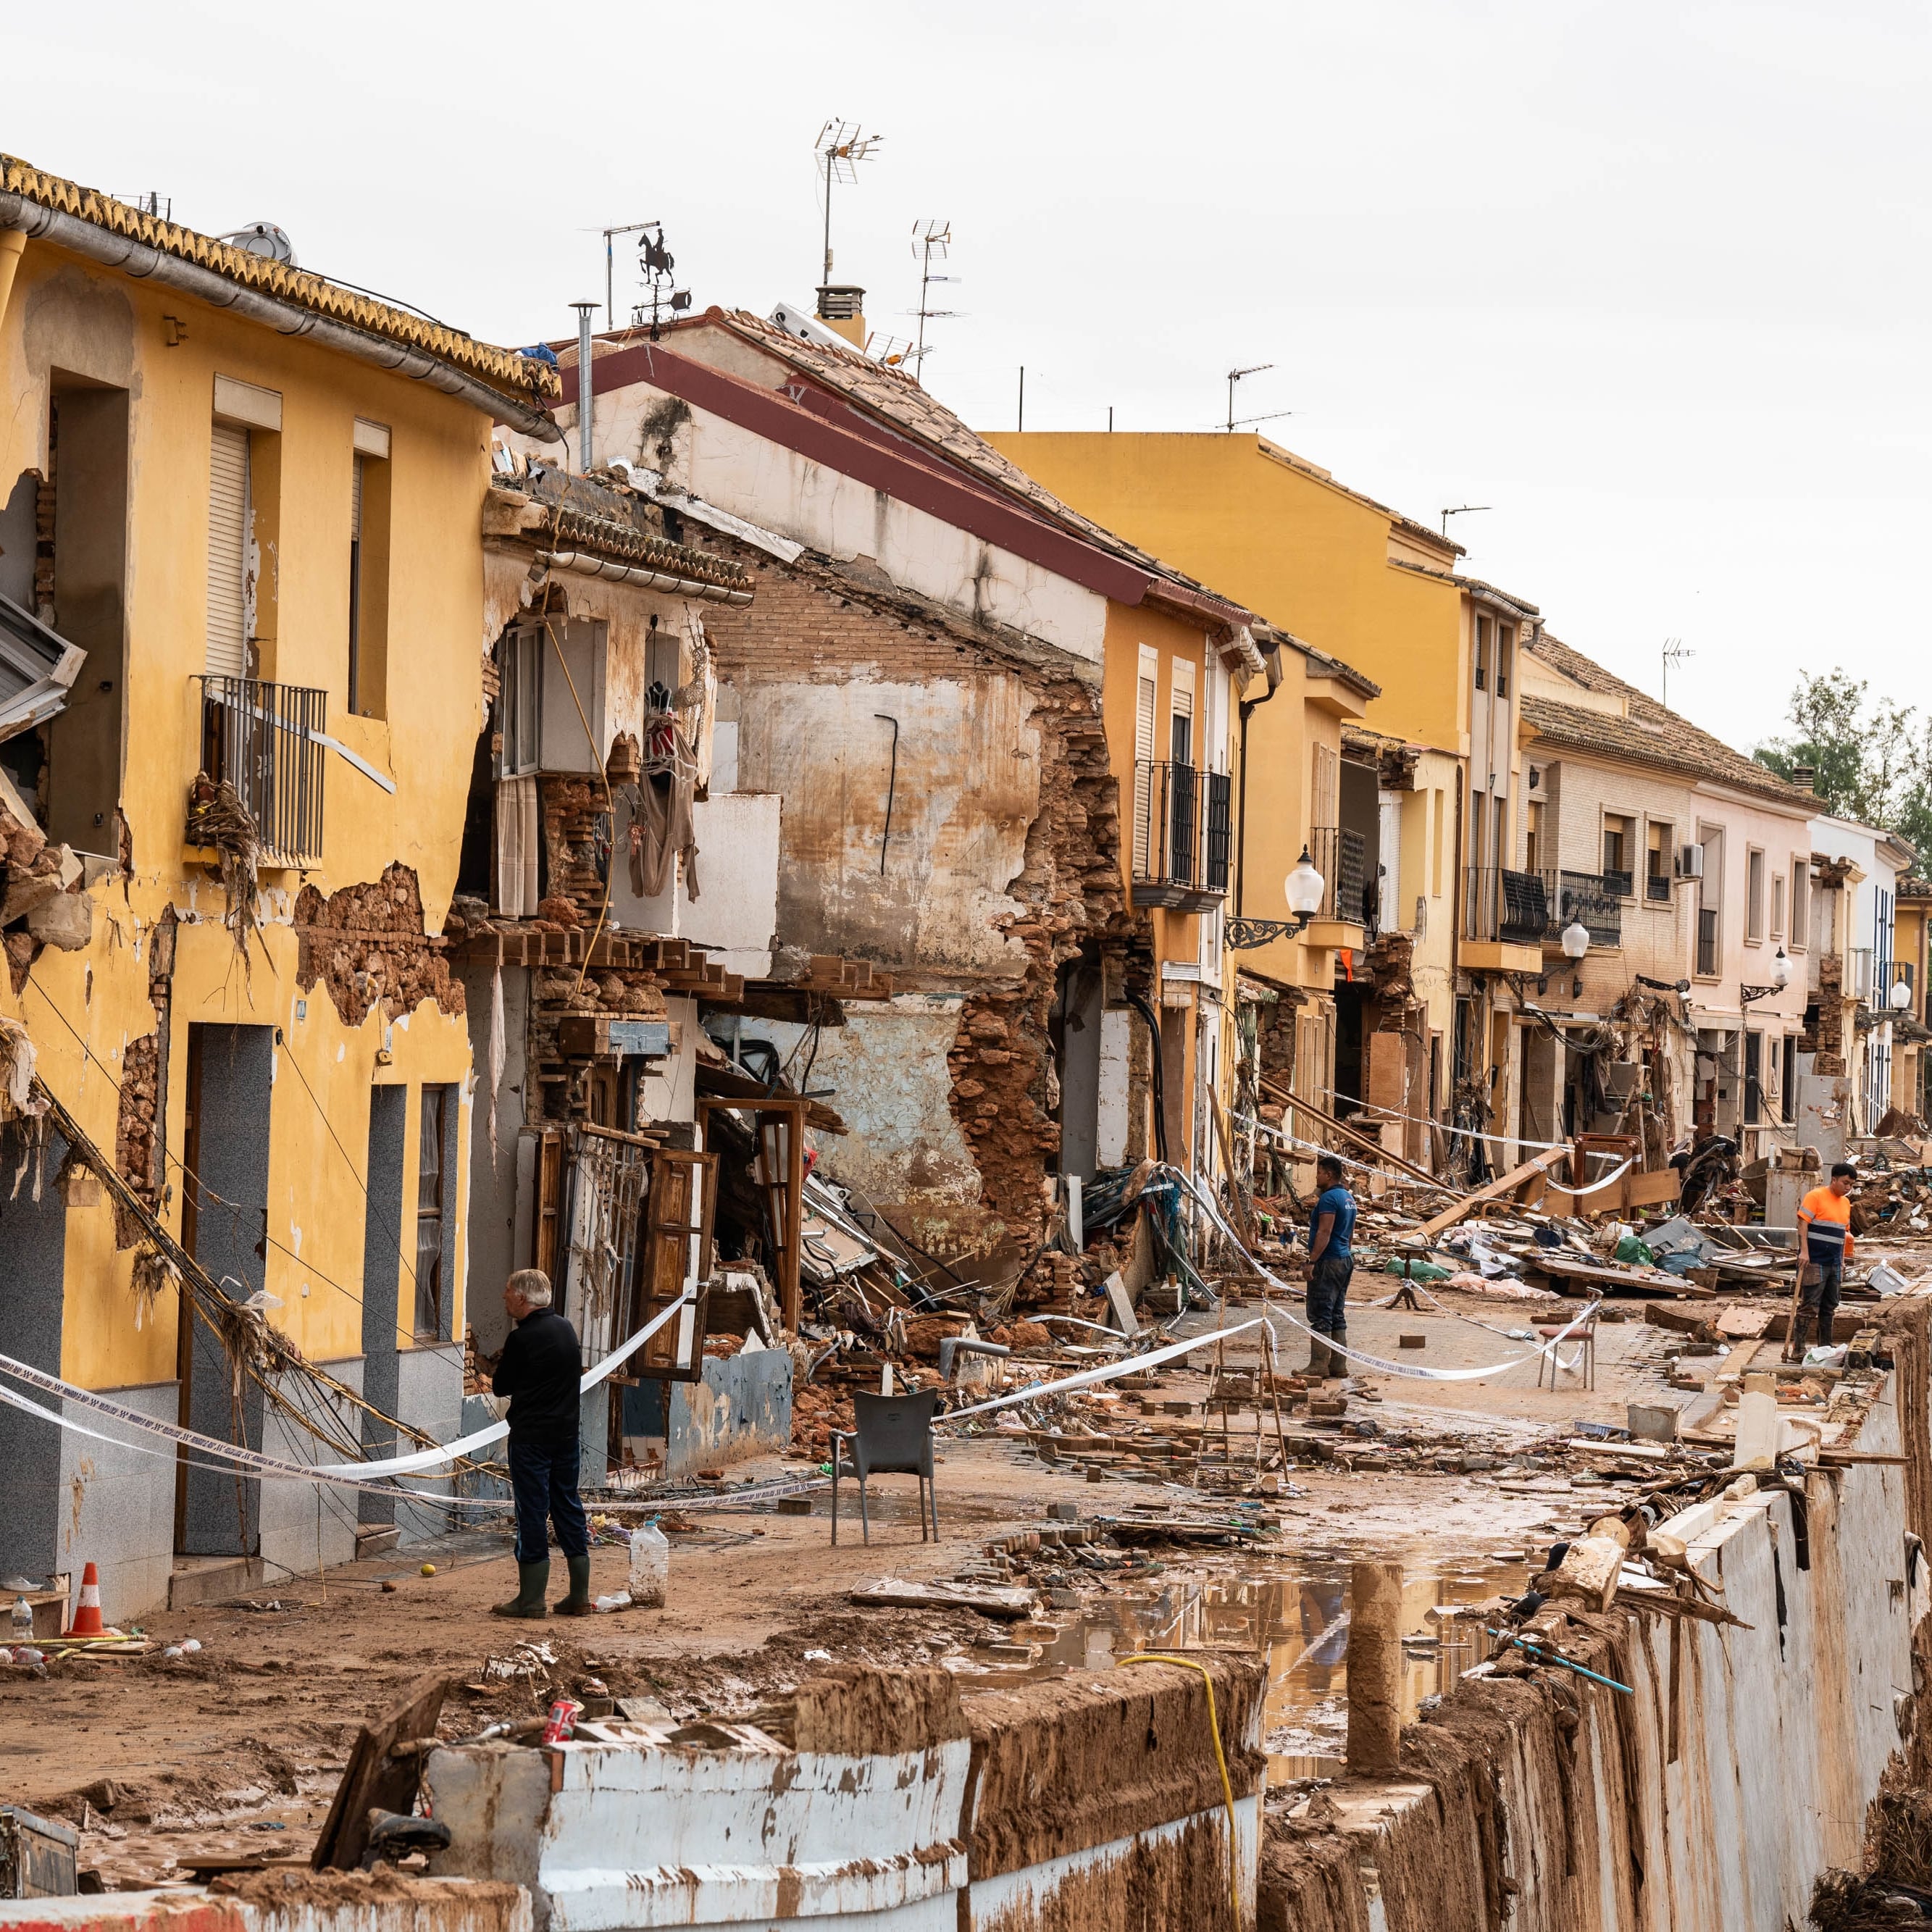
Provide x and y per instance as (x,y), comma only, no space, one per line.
(1375,1362)
(348,1475)
(1128,1366)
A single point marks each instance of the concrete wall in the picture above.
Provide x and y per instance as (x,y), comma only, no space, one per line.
(429,1397)
(742,1407)
(294,1529)
(117,1505)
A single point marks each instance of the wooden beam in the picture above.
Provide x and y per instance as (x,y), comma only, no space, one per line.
(1504,1184)
(1360,1140)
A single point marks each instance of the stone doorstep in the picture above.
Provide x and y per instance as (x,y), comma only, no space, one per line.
(377,1540)
(212,1579)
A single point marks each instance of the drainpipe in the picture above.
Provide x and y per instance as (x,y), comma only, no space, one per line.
(13,242)
(1247,708)
(20,216)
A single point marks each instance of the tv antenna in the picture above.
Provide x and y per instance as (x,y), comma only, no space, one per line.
(610,263)
(1233,377)
(1674,653)
(841,148)
(930,245)
(1464,510)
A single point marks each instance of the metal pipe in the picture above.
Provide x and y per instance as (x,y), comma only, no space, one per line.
(891,788)
(145,263)
(587,405)
(581,566)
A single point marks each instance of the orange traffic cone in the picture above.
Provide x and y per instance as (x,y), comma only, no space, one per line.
(87,1611)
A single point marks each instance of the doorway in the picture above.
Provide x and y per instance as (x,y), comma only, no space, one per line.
(1073,1028)
(230,1078)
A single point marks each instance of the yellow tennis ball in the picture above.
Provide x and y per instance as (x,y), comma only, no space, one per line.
(429,1569)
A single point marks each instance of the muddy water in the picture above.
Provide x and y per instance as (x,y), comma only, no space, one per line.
(1297,1613)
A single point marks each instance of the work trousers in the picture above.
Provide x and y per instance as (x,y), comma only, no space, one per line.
(543,1478)
(1818,1305)
(1328,1312)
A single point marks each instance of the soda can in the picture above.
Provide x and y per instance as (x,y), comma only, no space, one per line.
(563,1716)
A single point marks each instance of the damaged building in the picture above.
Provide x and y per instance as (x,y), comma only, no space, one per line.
(241,600)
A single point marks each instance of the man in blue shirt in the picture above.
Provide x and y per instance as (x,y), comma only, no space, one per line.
(1331,1232)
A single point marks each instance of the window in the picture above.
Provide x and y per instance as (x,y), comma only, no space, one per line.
(1753,896)
(1437,821)
(432,1177)
(1619,852)
(520,706)
(1532,839)
(1777,906)
(1482,651)
(369,570)
(1754,1078)
(1710,903)
(1180,728)
(1659,859)
(1505,637)
(1787,1083)
(1801,901)
(229,589)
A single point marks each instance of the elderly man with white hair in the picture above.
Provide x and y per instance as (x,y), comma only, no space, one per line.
(538,1371)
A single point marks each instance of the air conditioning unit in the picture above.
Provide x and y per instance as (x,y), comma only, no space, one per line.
(1690,862)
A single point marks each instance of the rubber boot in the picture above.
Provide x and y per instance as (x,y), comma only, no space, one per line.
(533,1579)
(577,1603)
(1800,1335)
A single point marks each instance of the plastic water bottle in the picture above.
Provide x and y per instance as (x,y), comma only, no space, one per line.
(650,1568)
(23,1621)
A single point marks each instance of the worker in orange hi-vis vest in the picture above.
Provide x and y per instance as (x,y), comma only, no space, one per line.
(1824,1246)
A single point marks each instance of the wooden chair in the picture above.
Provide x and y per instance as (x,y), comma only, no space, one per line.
(894,1437)
(1585,1337)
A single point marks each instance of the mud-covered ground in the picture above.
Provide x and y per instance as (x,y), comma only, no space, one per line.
(236,1750)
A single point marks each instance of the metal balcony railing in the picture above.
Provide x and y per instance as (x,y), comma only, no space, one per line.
(1656,888)
(1340,854)
(1621,885)
(261,738)
(1182,833)
(1533,908)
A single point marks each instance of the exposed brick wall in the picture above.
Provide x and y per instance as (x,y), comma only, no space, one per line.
(375,931)
(809,623)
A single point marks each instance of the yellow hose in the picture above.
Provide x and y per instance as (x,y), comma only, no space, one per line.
(1220,1760)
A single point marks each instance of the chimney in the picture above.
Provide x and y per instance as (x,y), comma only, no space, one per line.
(841,308)
(1805,777)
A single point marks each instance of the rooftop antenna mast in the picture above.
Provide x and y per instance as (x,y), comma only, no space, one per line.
(1233,377)
(1674,652)
(609,263)
(1463,510)
(840,147)
(930,245)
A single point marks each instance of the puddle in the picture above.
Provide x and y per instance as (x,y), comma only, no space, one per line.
(1298,1614)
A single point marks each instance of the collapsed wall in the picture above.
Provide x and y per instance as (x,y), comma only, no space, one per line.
(1744,1765)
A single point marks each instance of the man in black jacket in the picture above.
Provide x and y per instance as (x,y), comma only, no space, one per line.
(539,1370)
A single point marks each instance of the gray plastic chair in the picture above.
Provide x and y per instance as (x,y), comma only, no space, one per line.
(894,1437)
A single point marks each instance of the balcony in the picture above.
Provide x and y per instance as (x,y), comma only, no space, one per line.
(262,739)
(1181,835)
(1619,885)
(1509,917)
(1656,888)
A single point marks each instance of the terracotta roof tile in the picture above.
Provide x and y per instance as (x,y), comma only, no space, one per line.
(501,368)
(1649,735)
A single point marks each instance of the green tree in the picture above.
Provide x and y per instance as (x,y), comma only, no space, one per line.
(1872,761)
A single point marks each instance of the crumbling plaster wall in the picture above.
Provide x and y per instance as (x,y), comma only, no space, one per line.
(1002,857)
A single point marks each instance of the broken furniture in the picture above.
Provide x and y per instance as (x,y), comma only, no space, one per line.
(893,1437)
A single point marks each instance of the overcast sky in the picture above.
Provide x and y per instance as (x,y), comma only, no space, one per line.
(1649,280)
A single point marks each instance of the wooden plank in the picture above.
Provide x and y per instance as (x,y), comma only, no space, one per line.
(1289,1098)
(1505,1184)
(376,1778)
(1737,1323)
(991,1600)
(1555,1263)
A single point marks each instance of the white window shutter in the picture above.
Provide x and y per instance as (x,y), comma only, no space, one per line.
(228,553)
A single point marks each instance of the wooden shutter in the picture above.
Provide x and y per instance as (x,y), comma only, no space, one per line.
(547,1226)
(678,1206)
(227,654)
(1146,694)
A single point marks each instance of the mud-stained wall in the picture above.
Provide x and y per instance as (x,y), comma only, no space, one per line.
(1742,1767)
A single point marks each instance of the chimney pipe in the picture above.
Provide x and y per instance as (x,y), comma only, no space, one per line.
(1805,777)
(841,308)
(586,407)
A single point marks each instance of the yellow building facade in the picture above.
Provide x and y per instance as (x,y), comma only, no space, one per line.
(248,495)
(1408,812)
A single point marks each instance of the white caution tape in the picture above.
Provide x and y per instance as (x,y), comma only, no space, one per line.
(13,1400)
(428,1459)
(1375,1362)
(1130,1365)
(347,1475)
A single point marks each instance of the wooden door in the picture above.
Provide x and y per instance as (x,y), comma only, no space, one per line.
(678,1205)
